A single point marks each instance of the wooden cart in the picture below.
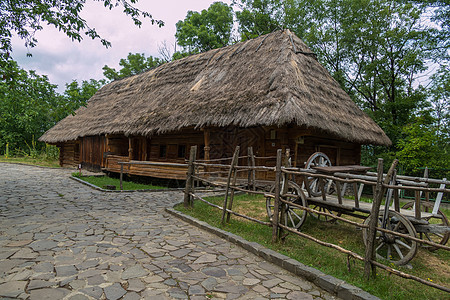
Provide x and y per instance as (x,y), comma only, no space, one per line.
(326,193)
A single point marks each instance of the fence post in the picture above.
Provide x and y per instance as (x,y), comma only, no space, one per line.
(230,203)
(230,173)
(369,268)
(121,176)
(251,172)
(277,198)
(285,186)
(188,202)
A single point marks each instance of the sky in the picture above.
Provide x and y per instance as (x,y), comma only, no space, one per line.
(63,60)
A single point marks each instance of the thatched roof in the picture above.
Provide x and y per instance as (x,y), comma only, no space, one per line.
(271,80)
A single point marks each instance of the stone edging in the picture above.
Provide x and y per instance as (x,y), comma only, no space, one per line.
(124,191)
(329,283)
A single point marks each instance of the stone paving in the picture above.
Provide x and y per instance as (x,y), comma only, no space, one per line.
(60,239)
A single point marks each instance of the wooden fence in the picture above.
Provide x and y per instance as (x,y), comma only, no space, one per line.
(279,193)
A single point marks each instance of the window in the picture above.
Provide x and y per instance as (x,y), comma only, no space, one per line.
(162,151)
(181,151)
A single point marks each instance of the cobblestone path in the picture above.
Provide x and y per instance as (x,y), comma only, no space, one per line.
(60,239)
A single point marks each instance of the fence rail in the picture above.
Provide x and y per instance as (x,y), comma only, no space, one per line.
(381,183)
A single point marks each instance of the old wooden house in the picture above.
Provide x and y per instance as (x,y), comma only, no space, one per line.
(269,93)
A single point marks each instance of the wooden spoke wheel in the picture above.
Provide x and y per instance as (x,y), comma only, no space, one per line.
(326,210)
(319,159)
(396,249)
(439,220)
(293,217)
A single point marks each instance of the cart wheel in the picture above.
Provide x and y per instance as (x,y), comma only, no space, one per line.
(396,249)
(439,219)
(293,217)
(322,217)
(319,159)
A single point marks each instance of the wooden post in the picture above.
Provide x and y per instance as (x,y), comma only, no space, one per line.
(188,201)
(396,197)
(249,164)
(130,149)
(230,173)
(230,203)
(121,177)
(253,164)
(338,191)
(144,148)
(285,180)
(277,197)
(369,268)
(355,191)
(427,194)
(206,135)
(321,183)
(417,213)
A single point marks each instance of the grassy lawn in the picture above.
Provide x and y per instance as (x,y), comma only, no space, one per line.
(39,161)
(102,181)
(433,266)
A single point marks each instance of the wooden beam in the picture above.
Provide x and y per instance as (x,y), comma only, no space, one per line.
(207,140)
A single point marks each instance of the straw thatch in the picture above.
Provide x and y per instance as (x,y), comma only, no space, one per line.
(271,80)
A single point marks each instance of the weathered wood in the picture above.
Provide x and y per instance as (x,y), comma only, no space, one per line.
(418,179)
(437,203)
(355,192)
(285,180)
(188,201)
(232,212)
(251,172)
(396,196)
(408,276)
(346,210)
(230,173)
(233,184)
(207,141)
(417,205)
(329,245)
(369,268)
(275,216)
(338,191)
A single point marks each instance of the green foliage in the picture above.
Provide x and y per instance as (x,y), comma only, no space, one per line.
(377,50)
(132,65)
(25,18)
(30,105)
(423,146)
(77,95)
(207,30)
(257,17)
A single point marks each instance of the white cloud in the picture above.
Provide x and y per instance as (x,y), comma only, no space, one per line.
(63,60)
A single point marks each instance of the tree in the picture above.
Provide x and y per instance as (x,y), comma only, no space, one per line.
(24,18)
(76,95)
(29,105)
(207,30)
(258,17)
(376,49)
(132,65)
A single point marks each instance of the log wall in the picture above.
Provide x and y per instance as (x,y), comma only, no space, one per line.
(174,148)
(69,154)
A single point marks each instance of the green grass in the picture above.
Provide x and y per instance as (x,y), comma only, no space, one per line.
(432,265)
(38,161)
(102,181)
